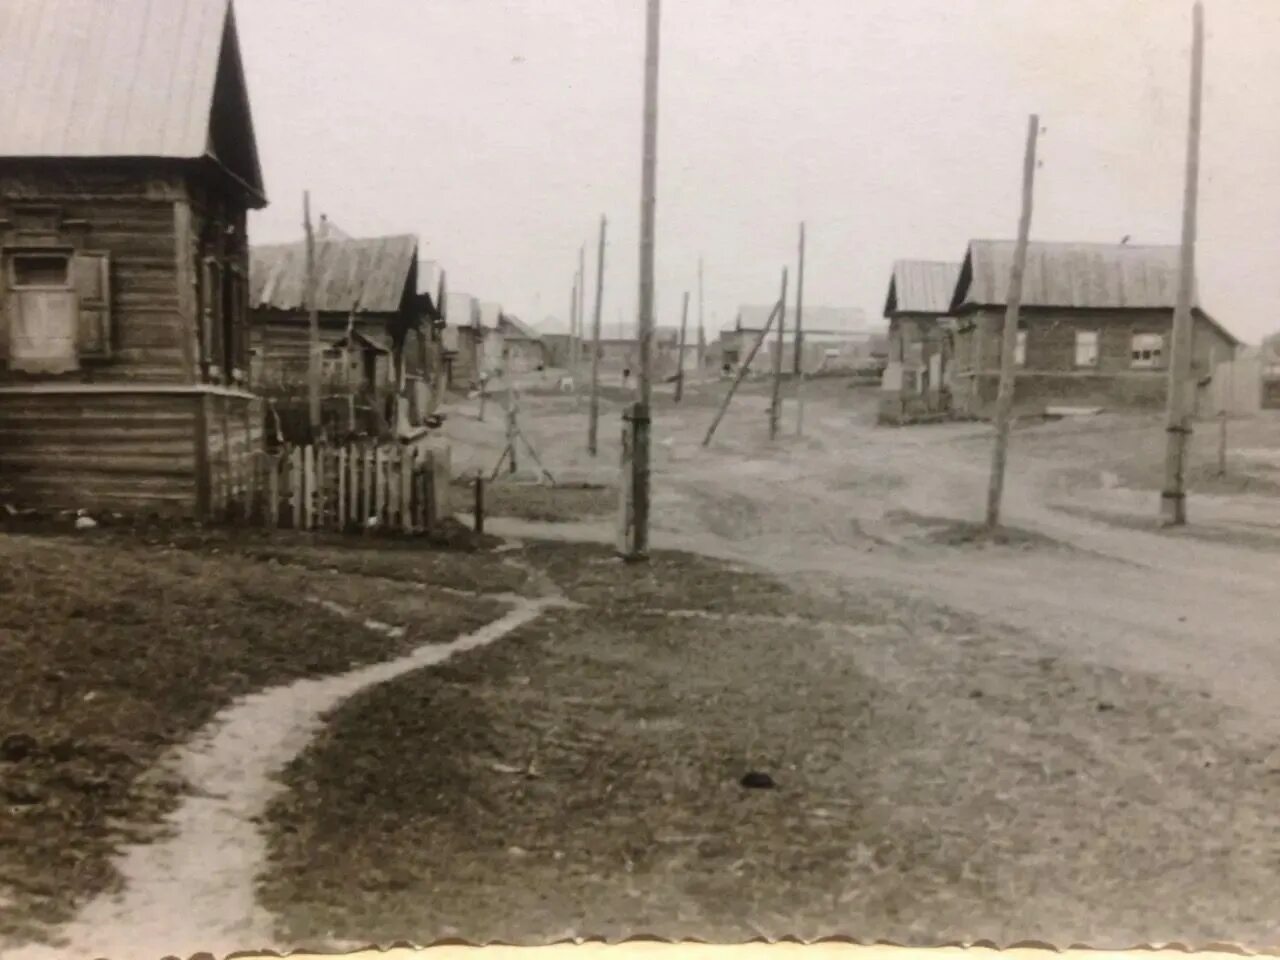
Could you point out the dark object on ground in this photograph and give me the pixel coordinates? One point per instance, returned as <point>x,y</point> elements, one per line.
<point>17,746</point>
<point>435,421</point>
<point>756,780</point>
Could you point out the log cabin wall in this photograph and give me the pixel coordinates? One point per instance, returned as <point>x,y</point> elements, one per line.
<point>122,412</point>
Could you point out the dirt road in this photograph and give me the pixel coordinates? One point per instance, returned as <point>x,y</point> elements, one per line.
<point>854,506</point>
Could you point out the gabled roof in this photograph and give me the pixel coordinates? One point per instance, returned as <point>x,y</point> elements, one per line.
<point>359,341</point>
<point>1084,276</point>
<point>459,308</point>
<point>518,329</point>
<point>921,286</point>
<point>361,276</point>
<point>100,79</point>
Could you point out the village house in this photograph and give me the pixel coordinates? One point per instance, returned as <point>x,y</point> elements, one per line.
<point>368,286</point>
<point>123,257</point>
<point>833,339</point>
<point>1270,364</point>
<point>522,347</point>
<point>1094,327</point>
<point>475,335</point>
<point>916,384</point>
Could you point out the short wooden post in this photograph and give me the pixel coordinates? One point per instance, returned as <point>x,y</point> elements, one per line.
<point>479,508</point>
<point>322,484</point>
<point>366,487</point>
<point>309,485</point>
<point>626,504</point>
<point>379,483</point>
<point>353,484</point>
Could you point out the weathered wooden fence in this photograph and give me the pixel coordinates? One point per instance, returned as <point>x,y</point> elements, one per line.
<point>350,487</point>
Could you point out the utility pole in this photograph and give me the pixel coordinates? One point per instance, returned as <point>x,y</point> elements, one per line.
<point>313,365</point>
<point>582,299</point>
<point>574,333</point>
<point>702,335</point>
<point>799,347</point>
<point>1009,346</point>
<point>684,320</point>
<point>775,406</point>
<point>636,525</point>
<point>593,425</point>
<point>1173,498</point>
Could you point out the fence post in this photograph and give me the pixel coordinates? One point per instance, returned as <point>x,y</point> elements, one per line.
<point>342,488</point>
<point>272,514</point>
<point>353,483</point>
<point>406,489</point>
<point>295,485</point>
<point>322,486</point>
<point>479,514</point>
<point>379,483</point>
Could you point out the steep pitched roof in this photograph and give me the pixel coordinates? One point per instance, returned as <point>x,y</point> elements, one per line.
<point>518,329</point>
<point>360,276</point>
<point>921,286</point>
<point>126,78</point>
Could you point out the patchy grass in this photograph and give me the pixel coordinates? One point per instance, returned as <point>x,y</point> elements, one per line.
<point>948,532</point>
<point>113,650</point>
<point>935,781</point>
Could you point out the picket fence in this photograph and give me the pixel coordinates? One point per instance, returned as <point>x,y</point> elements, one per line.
<point>348,487</point>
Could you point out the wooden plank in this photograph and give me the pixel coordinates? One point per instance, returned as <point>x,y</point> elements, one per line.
<point>322,484</point>
<point>295,477</point>
<point>273,463</point>
<point>380,484</point>
<point>406,490</point>
<point>201,439</point>
<point>342,488</point>
<point>309,486</point>
<point>366,488</point>
<point>185,279</point>
<point>353,484</point>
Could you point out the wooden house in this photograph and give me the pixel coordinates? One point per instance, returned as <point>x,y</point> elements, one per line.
<point>522,347</point>
<point>127,167</point>
<point>1094,327</point>
<point>1269,357</point>
<point>916,383</point>
<point>369,285</point>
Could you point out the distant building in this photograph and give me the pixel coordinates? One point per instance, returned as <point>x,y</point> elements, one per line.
<point>1094,328</point>
<point>1270,357</point>
<point>832,339</point>
<point>522,347</point>
<point>916,382</point>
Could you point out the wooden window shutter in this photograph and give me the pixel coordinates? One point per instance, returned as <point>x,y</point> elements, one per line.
<point>91,276</point>
<point>212,313</point>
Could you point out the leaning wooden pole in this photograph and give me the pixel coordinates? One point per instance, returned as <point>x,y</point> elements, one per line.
<point>636,542</point>
<point>684,323</point>
<point>1173,497</point>
<point>582,301</point>
<point>1009,346</point>
<point>313,363</point>
<point>746,364</point>
<point>593,424</point>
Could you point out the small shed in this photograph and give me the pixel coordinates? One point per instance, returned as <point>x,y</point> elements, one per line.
<point>916,384</point>
<point>127,166</point>
<point>1094,327</point>
<point>522,347</point>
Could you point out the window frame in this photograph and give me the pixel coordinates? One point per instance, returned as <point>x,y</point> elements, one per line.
<point>1020,349</point>
<point>1153,362</point>
<point>1097,350</point>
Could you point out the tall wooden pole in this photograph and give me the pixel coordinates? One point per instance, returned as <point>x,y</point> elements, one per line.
<point>593,425</point>
<point>746,364</point>
<point>575,334</point>
<point>1009,347</point>
<point>639,542</point>
<point>684,321</point>
<point>1173,498</point>
<point>313,365</point>
<point>775,406</point>
<point>582,299</point>
<point>702,334</point>
<point>799,342</point>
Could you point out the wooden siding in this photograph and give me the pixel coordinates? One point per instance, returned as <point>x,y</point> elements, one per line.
<point>1050,375</point>
<point>125,452</point>
<point>133,222</point>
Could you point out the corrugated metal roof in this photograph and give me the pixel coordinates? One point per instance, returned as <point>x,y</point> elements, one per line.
<point>108,78</point>
<point>814,318</point>
<point>921,286</point>
<point>1078,275</point>
<point>361,276</point>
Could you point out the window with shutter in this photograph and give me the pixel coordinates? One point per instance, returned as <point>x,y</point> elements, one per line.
<point>210,312</point>
<point>40,312</point>
<point>92,278</point>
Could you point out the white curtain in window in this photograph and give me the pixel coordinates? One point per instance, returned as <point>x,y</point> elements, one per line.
<point>43,332</point>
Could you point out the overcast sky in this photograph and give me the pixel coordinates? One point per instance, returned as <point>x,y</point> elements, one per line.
<point>499,131</point>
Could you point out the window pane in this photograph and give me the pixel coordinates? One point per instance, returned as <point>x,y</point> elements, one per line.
<point>40,271</point>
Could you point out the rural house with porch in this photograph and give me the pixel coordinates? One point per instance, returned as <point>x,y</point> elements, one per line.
<point>916,384</point>
<point>1094,328</point>
<point>366,286</point>
<point>127,166</point>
